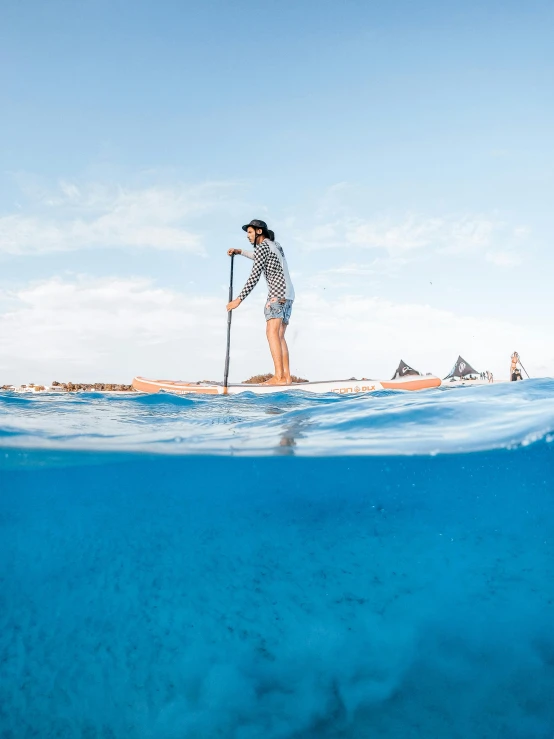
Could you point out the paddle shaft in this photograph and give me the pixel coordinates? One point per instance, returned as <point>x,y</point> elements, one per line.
<point>229,318</point>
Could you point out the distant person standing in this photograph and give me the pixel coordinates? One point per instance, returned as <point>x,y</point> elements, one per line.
<point>269,259</point>
<point>515,372</point>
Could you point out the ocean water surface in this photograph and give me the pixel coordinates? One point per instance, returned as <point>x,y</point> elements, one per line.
<point>278,567</point>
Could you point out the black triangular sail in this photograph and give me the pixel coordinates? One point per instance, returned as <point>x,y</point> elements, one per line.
<point>461,369</point>
<point>403,370</point>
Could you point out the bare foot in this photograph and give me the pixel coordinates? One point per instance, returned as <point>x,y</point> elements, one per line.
<point>276,381</point>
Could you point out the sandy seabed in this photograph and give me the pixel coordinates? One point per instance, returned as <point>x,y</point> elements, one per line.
<point>279,598</point>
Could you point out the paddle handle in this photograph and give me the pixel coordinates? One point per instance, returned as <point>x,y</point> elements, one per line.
<point>229,318</point>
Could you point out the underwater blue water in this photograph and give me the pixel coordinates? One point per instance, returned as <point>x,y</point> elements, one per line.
<point>284,567</point>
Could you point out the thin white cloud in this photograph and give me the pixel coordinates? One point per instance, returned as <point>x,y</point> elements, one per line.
<point>77,217</point>
<point>86,329</point>
<point>379,266</point>
<point>504,258</point>
<point>342,219</point>
<point>353,268</point>
<point>404,236</point>
<point>397,238</point>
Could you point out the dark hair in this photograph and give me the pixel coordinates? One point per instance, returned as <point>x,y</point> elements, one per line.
<point>270,235</point>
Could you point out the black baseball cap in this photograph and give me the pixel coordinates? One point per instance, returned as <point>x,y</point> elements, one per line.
<point>256,223</point>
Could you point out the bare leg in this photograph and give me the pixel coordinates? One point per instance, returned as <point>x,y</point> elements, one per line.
<point>285,352</point>
<point>273,333</point>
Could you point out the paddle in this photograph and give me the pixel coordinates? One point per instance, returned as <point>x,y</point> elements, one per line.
<point>523,368</point>
<point>229,317</point>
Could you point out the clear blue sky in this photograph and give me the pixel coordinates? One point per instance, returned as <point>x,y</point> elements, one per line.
<point>403,152</point>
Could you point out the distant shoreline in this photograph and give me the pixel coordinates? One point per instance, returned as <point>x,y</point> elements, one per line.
<point>71,387</point>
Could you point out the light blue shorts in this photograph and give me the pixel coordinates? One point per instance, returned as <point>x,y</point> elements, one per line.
<point>275,308</point>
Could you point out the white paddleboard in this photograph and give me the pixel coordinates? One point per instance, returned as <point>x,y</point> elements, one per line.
<point>341,387</point>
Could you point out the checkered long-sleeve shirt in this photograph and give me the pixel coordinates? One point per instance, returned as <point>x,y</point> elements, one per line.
<point>269,259</point>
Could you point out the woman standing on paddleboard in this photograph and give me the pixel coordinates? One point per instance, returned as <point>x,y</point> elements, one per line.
<point>269,258</point>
